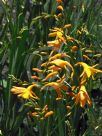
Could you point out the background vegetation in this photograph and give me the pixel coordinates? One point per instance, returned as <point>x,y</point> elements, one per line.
<point>24,26</point>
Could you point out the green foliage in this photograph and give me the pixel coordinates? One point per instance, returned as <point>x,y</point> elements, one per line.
<point>24,29</point>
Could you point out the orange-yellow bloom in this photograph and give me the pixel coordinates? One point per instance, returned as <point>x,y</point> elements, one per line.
<point>67,26</point>
<point>70,39</point>
<point>36,70</point>
<point>68,107</point>
<point>44,64</point>
<point>74,48</point>
<point>60,8</point>
<point>61,80</point>
<point>50,75</point>
<point>35,77</point>
<point>58,56</point>
<point>25,93</point>
<point>55,29</point>
<point>56,44</point>
<point>34,114</point>
<point>64,87</point>
<point>88,71</point>
<point>45,109</point>
<point>59,1</point>
<point>58,33</point>
<point>54,68</point>
<point>61,63</point>
<point>82,97</point>
<point>71,93</point>
<point>86,57</point>
<point>48,114</point>
<point>59,15</point>
<point>58,86</point>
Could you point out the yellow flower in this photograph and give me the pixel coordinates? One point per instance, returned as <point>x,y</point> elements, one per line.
<point>50,75</point>
<point>68,107</point>
<point>45,109</point>
<point>62,64</point>
<point>58,56</point>
<point>88,71</point>
<point>58,34</point>
<point>34,114</point>
<point>56,44</point>
<point>82,97</point>
<point>58,86</point>
<point>74,48</point>
<point>59,1</point>
<point>54,68</point>
<point>86,57</point>
<point>61,80</point>
<point>70,93</point>
<point>60,8</point>
<point>70,39</point>
<point>55,29</point>
<point>59,15</point>
<point>67,26</point>
<point>44,64</point>
<point>48,114</point>
<point>35,77</point>
<point>36,70</point>
<point>25,93</point>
